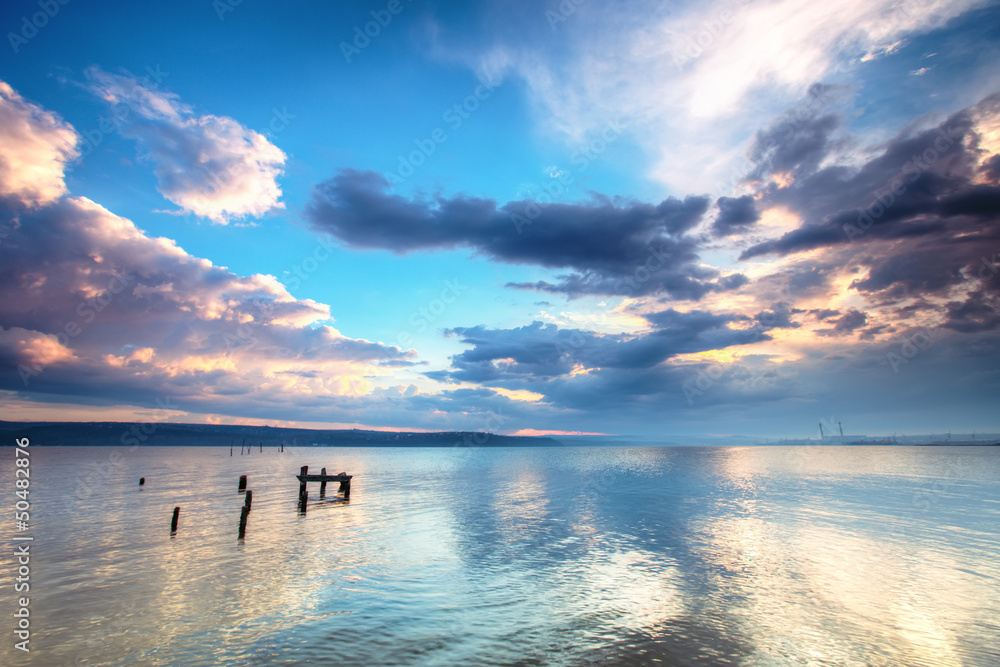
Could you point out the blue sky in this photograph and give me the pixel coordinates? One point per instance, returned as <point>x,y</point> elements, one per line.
<point>624,218</point>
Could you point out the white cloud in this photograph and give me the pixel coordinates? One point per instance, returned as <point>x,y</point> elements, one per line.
<point>693,82</point>
<point>35,145</point>
<point>211,166</point>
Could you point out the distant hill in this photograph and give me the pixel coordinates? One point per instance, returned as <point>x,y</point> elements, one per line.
<point>211,435</point>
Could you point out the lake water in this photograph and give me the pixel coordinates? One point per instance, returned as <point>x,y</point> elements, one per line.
<point>550,556</point>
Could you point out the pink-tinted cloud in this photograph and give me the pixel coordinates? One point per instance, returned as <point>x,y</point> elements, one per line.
<point>211,166</point>
<point>35,145</point>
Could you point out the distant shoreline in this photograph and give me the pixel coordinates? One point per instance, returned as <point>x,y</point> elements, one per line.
<point>87,434</point>
<point>91,434</point>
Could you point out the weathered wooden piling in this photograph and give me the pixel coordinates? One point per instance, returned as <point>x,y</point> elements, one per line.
<point>303,501</point>
<point>261,448</point>
<point>173,521</point>
<point>248,500</point>
<point>303,471</point>
<point>345,485</point>
<point>322,485</point>
<point>244,513</point>
<point>243,483</point>
<point>142,480</point>
<point>230,447</point>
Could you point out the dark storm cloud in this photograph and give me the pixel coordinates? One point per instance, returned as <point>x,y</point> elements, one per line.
<point>977,313</point>
<point>541,352</point>
<point>920,185</point>
<point>735,214</point>
<point>921,215</point>
<point>793,144</point>
<point>846,324</point>
<point>609,247</point>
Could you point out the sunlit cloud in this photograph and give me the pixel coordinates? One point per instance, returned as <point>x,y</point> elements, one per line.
<point>211,166</point>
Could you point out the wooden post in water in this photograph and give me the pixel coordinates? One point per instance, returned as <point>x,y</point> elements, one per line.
<point>243,483</point>
<point>248,500</point>
<point>142,481</point>
<point>230,447</point>
<point>303,499</point>
<point>173,521</point>
<point>262,447</point>
<point>243,521</point>
<point>322,485</point>
<point>302,483</point>
<point>345,486</point>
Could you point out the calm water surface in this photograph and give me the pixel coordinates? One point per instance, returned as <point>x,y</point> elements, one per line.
<point>554,556</point>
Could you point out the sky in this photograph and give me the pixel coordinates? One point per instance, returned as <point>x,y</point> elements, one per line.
<point>577,217</point>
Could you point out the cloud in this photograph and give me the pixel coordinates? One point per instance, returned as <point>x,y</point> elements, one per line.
<point>126,315</point>
<point>95,310</point>
<point>524,356</point>
<point>689,79</point>
<point>611,246</point>
<point>735,214</point>
<point>917,216</point>
<point>846,323</point>
<point>35,146</point>
<point>211,166</point>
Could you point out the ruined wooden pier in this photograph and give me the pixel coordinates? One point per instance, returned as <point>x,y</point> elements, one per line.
<point>304,477</point>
